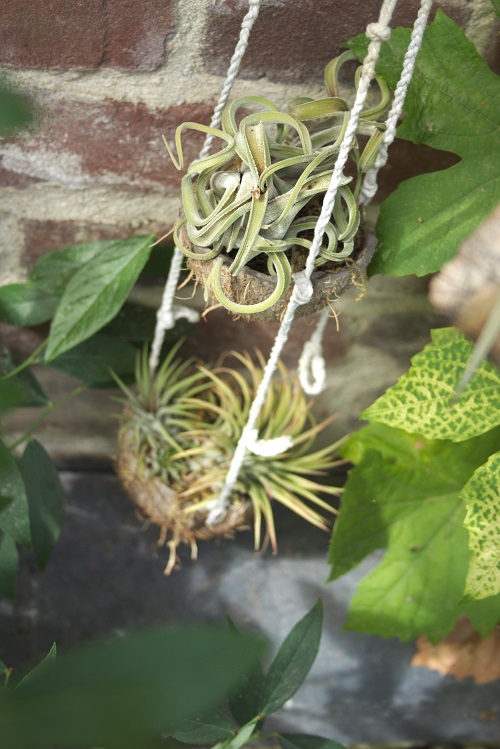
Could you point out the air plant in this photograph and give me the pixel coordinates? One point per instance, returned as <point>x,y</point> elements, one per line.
<point>255,203</point>
<point>179,432</point>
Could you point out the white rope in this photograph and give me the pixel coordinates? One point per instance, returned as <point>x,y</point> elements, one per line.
<point>312,368</point>
<point>303,289</point>
<point>168,313</point>
<point>369,187</point>
<point>312,374</point>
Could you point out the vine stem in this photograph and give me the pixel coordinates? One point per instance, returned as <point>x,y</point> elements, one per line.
<point>51,407</point>
<point>32,359</point>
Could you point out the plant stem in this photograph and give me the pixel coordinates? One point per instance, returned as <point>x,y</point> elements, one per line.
<point>32,359</point>
<point>27,435</point>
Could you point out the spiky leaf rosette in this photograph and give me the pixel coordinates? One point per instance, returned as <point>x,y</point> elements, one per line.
<point>179,433</point>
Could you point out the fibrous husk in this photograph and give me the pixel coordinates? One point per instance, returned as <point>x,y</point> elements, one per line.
<point>252,286</point>
<point>165,506</point>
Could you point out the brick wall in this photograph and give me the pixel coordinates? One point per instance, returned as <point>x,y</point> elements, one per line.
<point>109,77</point>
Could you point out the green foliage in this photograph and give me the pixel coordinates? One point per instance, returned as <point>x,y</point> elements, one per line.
<point>260,695</point>
<point>94,332</point>
<point>96,292</point>
<point>45,500</point>
<point>124,694</point>
<point>14,110</point>
<point>453,104</point>
<point>423,399</point>
<point>482,498</point>
<point>404,495</point>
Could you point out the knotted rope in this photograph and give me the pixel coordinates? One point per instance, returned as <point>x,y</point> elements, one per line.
<point>303,289</point>
<point>312,373</point>
<point>167,314</point>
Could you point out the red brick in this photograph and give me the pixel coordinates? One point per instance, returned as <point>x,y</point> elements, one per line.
<point>293,41</point>
<point>115,143</point>
<point>42,237</point>
<point>85,34</point>
<point>8,178</point>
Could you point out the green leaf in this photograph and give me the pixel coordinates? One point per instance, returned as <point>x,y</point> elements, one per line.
<point>484,614</point>
<point>481,495</point>
<point>209,729</point>
<point>306,741</point>
<point>242,736</point>
<point>134,322</point>
<point>14,518</point>
<point>496,5</point>
<point>453,104</point>
<point>45,499</point>
<point>405,497</point>
<point>292,661</point>
<point>40,668</point>
<point>11,395</point>
<point>245,702</point>
<point>93,360</point>
<point>25,304</point>
<point>29,389</point>
<point>422,399</point>
<point>4,673</point>
<point>53,271</point>
<point>8,568</point>
<point>123,694</point>
<point>96,292</point>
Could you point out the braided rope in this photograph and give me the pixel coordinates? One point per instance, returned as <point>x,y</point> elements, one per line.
<point>167,314</point>
<point>370,186</point>
<point>303,289</point>
<point>311,359</point>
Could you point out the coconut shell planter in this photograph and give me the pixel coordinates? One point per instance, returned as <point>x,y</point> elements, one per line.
<point>249,210</point>
<point>179,431</point>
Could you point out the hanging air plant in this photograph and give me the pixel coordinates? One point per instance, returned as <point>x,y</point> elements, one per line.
<point>177,438</point>
<point>249,210</point>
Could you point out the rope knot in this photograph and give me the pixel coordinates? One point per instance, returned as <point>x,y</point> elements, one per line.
<point>268,448</point>
<point>303,288</point>
<point>378,32</point>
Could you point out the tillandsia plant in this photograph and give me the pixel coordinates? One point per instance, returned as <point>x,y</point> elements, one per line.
<point>254,204</point>
<point>178,435</point>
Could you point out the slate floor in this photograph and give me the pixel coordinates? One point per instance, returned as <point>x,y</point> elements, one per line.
<point>105,577</point>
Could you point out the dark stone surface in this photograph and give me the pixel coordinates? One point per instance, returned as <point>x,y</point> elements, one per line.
<point>105,578</point>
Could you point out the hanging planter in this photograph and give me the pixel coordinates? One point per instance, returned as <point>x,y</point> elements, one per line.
<point>249,211</point>
<point>177,438</point>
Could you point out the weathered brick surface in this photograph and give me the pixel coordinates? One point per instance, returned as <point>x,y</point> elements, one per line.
<point>81,143</point>
<point>293,41</point>
<point>85,34</point>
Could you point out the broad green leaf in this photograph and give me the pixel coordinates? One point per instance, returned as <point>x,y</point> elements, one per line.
<point>45,499</point>
<point>453,104</point>
<point>423,399</point>
<point>96,292</point>
<point>8,568</point>
<point>209,729</point>
<point>134,322</point>
<point>11,395</point>
<point>482,499</point>
<point>484,613</point>
<point>14,517</point>
<point>292,661</point>
<point>39,668</point>
<point>245,702</point>
<point>53,271</point>
<point>25,304</point>
<point>406,498</point>
<point>496,5</point>
<point>30,390</point>
<point>93,360</point>
<point>123,694</point>
<point>306,741</point>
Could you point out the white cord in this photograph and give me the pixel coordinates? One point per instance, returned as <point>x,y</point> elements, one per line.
<point>369,187</point>
<point>312,373</point>
<point>168,314</point>
<point>303,289</point>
